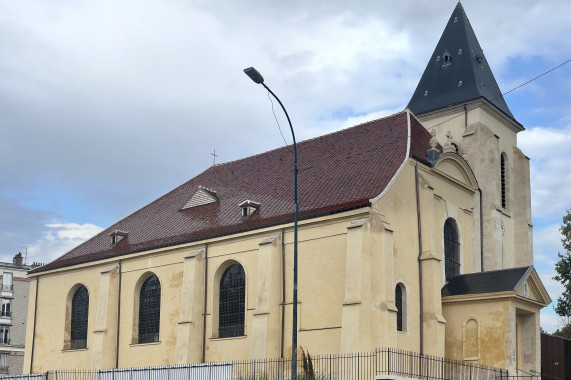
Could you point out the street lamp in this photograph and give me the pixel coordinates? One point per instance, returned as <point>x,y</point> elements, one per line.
<point>257,78</point>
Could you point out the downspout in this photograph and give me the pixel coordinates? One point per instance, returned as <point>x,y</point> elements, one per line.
<point>283,296</point>
<point>204,308</point>
<point>481,233</point>
<point>118,317</point>
<point>421,321</point>
<point>34,330</point>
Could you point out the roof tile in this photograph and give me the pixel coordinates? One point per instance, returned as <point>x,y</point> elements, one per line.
<point>338,171</point>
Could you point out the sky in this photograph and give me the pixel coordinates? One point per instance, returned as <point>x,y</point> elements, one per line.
<point>106,105</point>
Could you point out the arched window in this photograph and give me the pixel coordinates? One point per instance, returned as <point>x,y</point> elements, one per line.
<point>400,303</point>
<point>149,310</point>
<point>79,318</point>
<point>503,178</point>
<point>451,249</point>
<point>232,302</point>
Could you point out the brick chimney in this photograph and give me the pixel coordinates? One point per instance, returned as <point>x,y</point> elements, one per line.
<point>18,259</point>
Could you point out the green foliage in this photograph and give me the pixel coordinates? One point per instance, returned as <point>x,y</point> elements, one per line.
<point>563,269</point>
<point>564,332</point>
<point>308,373</point>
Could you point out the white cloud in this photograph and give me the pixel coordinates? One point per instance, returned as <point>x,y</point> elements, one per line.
<point>101,96</point>
<point>550,322</point>
<point>550,168</point>
<point>59,239</point>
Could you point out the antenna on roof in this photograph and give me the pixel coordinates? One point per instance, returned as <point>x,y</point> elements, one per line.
<point>26,254</point>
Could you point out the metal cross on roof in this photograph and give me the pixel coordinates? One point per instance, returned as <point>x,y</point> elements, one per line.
<point>214,155</point>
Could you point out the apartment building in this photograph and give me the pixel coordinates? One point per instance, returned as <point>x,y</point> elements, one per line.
<point>13,314</point>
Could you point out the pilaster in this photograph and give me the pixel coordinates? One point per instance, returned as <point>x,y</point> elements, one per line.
<point>431,261</point>
<point>104,345</point>
<point>481,149</point>
<point>369,312</point>
<point>521,205</point>
<point>190,325</point>
<point>266,319</point>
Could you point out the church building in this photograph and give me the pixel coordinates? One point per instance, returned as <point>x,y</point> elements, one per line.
<point>415,233</point>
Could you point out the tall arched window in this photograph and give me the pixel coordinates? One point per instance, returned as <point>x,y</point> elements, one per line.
<point>149,310</point>
<point>400,303</point>
<point>503,178</point>
<point>451,249</point>
<point>232,302</point>
<point>79,318</point>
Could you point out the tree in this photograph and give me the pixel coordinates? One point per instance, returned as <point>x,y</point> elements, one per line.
<point>563,269</point>
<point>564,332</point>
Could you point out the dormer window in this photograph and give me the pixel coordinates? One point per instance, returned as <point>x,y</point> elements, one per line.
<point>248,207</point>
<point>447,58</point>
<point>117,236</point>
<point>202,196</point>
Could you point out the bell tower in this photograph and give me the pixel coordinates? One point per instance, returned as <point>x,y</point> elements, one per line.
<point>459,99</point>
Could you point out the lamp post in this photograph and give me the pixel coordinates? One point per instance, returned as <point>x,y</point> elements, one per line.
<point>257,78</point>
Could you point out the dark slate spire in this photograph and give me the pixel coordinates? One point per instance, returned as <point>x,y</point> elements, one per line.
<point>457,72</point>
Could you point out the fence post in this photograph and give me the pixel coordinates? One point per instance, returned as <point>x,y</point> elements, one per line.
<point>470,371</point>
<point>389,361</point>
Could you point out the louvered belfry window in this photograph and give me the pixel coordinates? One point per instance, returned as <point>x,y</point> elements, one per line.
<point>232,302</point>
<point>150,310</point>
<point>398,304</point>
<point>79,318</point>
<point>503,179</point>
<point>451,249</point>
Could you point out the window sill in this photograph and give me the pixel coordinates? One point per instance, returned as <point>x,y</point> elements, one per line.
<point>144,344</point>
<point>504,211</point>
<point>74,349</point>
<point>230,338</point>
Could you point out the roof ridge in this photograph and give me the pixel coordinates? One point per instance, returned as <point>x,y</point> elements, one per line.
<point>305,141</point>
<point>494,270</point>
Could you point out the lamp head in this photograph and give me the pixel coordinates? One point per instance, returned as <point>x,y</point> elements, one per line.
<point>254,75</point>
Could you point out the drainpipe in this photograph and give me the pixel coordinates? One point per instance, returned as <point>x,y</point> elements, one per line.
<point>118,316</point>
<point>204,308</point>
<point>465,117</point>
<point>34,330</point>
<point>481,233</point>
<point>283,295</point>
<point>421,321</point>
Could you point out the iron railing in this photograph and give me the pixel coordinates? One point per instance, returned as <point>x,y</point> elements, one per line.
<point>381,363</point>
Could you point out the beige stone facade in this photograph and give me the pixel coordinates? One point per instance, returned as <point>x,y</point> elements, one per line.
<point>349,266</point>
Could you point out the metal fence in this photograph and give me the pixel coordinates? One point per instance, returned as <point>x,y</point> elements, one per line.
<point>381,363</point>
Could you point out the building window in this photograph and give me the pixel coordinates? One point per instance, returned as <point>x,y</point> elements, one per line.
<point>451,249</point>
<point>7,281</point>
<point>400,303</point>
<point>232,302</point>
<point>4,334</point>
<point>79,318</point>
<point>4,363</point>
<point>6,307</point>
<point>149,310</point>
<point>503,178</point>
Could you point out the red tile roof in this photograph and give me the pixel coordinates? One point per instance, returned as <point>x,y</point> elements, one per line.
<point>337,172</point>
